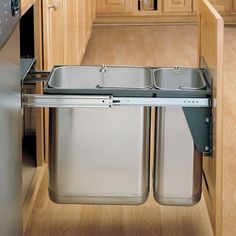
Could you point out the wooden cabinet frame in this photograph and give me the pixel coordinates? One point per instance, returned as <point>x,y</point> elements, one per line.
<point>115,6</point>
<point>168,12</point>
<point>39,112</point>
<point>210,47</point>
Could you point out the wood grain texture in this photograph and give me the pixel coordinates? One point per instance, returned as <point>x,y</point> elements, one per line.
<point>114,6</point>
<point>229,134</point>
<point>211,49</point>
<point>234,6</point>
<point>66,32</point>
<point>32,194</point>
<point>26,4</point>
<point>137,45</point>
<point>222,5</point>
<point>175,6</point>
<point>53,34</point>
<point>38,51</point>
<point>168,12</point>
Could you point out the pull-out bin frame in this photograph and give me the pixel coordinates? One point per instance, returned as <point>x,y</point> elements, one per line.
<point>196,106</point>
<point>197,110</point>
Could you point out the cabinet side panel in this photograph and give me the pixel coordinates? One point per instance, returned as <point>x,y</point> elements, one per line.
<point>211,31</point>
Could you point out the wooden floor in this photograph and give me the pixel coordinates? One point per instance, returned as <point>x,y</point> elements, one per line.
<point>159,46</point>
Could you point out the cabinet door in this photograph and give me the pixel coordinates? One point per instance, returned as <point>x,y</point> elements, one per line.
<point>64,22</point>
<point>211,33</point>
<point>53,26</point>
<point>93,10</point>
<point>73,31</point>
<point>87,21</point>
<point>195,5</point>
<point>221,5</point>
<point>114,6</point>
<point>170,6</point>
<point>234,5</point>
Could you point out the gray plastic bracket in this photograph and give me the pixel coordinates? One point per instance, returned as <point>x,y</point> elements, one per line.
<point>200,124</point>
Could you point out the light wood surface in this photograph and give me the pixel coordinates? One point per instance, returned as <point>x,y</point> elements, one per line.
<point>66,32</point>
<point>74,32</point>
<point>26,4</point>
<point>150,45</point>
<point>53,34</point>
<point>177,6</point>
<point>142,17</point>
<point>114,6</point>
<point>222,5</point>
<point>229,134</point>
<point>32,194</point>
<point>234,5</point>
<point>211,49</point>
<point>168,11</point>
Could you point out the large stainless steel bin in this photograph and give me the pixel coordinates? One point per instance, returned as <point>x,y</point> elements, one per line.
<point>99,155</point>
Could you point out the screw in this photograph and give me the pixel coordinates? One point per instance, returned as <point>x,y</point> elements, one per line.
<point>207,120</point>
<point>207,148</point>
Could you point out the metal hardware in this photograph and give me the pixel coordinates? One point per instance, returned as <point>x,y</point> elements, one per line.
<point>200,125</point>
<point>36,76</point>
<point>162,102</point>
<point>53,6</point>
<point>176,68</point>
<point>36,100</point>
<point>197,110</point>
<point>15,7</point>
<point>103,68</point>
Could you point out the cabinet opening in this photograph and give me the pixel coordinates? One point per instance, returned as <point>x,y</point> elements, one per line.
<point>147,5</point>
<point>29,160</point>
<point>27,34</point>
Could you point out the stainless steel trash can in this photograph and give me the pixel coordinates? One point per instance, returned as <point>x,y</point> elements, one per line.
<point>99,155</point>
<point>178,166</point>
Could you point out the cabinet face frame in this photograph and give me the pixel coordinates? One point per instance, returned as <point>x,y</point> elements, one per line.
<point>175,6</point>
<point>222,5</point>
<point>210,47</point>
<point>234,6</point>
<point>115,6</point>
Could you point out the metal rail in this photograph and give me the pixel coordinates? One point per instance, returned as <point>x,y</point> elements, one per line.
<point>36,100</point>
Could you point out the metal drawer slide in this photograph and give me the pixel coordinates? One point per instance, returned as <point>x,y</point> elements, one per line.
<point>36,100</point>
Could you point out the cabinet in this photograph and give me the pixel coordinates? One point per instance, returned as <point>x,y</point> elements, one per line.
<point>87,21</point>
<point>210,38</point>
<point>172,6</point>
<point>164,11</point>
<point>114,6</point>
<point>234,6</point>
<point>67,28</point>
<point>53,33</point>
<point>221,5</point>
<point>73,35</point>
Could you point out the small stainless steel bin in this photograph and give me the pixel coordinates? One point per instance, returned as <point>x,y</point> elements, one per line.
<point>99,155</point>
<point>178,166</point>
